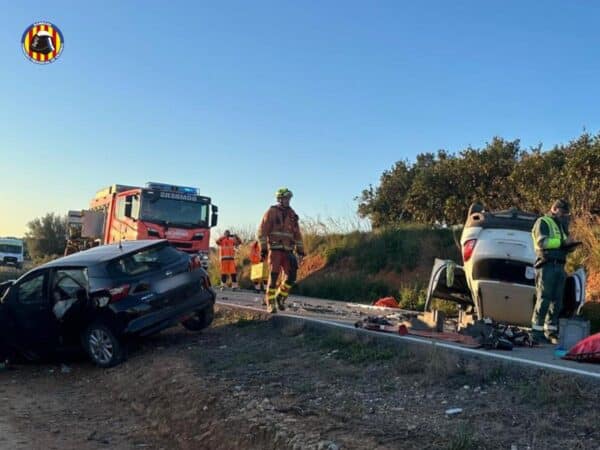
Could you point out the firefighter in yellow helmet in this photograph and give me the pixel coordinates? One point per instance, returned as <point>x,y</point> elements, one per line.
<point>279,237</point>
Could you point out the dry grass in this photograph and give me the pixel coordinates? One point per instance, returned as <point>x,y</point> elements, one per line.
<point>587,230</point>
<point>341,225</point>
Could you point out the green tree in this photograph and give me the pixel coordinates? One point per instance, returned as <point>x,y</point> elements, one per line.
<point>581,183</point>
<point>46,235</point>
<point>385,205</point>
<point>438,188</point>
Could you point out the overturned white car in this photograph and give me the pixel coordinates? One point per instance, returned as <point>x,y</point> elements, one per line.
<point>497,279</point>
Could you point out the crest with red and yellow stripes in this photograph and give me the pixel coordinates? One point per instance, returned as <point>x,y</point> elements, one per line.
<point>42,42</point>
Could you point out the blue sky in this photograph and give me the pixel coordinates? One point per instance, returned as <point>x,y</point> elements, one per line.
<point>240,98</point>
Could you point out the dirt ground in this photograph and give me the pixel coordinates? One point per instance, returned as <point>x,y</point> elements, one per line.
<point>246,384</point>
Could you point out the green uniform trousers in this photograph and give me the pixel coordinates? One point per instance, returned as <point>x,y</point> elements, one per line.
<point>550,282</point>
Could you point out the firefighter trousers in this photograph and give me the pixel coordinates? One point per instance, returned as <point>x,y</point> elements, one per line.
<point>281,262</point>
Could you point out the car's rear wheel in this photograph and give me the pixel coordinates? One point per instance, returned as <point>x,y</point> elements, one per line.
<point>200,320</point>
<point>102,345</point>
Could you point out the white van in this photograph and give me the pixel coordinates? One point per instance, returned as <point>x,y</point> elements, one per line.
<point>11,252</point>
<point>497,278</point>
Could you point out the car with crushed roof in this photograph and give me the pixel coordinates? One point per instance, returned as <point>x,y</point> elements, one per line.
<point>99,298</point>
<point>497,279</point>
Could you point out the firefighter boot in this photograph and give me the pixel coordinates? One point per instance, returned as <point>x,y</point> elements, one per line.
<point>282,295</point>
<point>271,300</point>
<point>280,302</point>
<point>272,307</point>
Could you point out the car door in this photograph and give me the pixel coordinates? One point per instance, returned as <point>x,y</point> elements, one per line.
<point>574,296</point>
<point>448,282</point>
<point>69,289</point>
<point>36,325</point>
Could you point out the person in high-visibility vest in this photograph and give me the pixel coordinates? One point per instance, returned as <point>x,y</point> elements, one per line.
<point>279,236</point>
<point>257,270</point>
<point>552,243</point>
<point>227,244</point>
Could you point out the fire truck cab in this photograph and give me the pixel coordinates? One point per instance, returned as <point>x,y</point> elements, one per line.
<point>157,211</point>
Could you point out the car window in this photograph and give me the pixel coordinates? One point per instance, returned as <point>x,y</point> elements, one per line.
<point>144,261</point>
<point>32,290</point>
<point>67,282</point>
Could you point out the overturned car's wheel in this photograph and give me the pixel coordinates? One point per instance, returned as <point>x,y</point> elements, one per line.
<point>102,346</point>
<point>200,320</point>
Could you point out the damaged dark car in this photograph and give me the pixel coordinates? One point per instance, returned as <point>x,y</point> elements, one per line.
<point>98,298</point>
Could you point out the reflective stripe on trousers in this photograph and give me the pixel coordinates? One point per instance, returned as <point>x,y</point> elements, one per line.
<point>284,290</point>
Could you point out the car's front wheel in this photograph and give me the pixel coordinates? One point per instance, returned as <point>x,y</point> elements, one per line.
<point>102,345</point>
<point>200,320</point>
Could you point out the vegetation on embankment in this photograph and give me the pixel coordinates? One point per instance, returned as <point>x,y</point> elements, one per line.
<point>587,230</point>
<point>364,266</point>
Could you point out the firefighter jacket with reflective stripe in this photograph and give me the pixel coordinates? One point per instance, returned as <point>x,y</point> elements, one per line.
<point>548,236</point>
<point>280,230</point>
<point>227,246</point>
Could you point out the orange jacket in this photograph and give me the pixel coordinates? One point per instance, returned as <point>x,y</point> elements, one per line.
<point>227,246</point>
<point>280,230</point>
<point>255,253</point>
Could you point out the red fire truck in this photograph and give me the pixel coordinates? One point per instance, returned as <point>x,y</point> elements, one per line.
<point>156,211</point>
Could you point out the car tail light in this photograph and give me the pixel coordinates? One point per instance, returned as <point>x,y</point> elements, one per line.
<point>468,249</point>
<point>194,263</point>
<point>118,293</point>
<point>205,282</point>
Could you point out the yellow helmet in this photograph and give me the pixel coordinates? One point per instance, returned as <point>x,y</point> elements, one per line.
<point>283,192</point>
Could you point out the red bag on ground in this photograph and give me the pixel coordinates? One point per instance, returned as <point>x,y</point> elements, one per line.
<point>586,350</point>
<point>388,302</point>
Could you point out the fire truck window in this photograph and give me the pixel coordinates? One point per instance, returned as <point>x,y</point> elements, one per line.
<point>127,212</point>
<point>135,207</point>
<point>120,208</point>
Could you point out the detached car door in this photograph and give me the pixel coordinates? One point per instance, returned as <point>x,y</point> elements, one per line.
<point>574,296</point>
<point>448,282</point>
<point>36,327</point>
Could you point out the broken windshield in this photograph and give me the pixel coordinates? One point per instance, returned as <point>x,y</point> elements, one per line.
<point>174,209</point>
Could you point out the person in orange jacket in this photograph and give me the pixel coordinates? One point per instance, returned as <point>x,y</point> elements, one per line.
<point>227,244</point>
<point>279,236</point>
<point>255,259</point>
